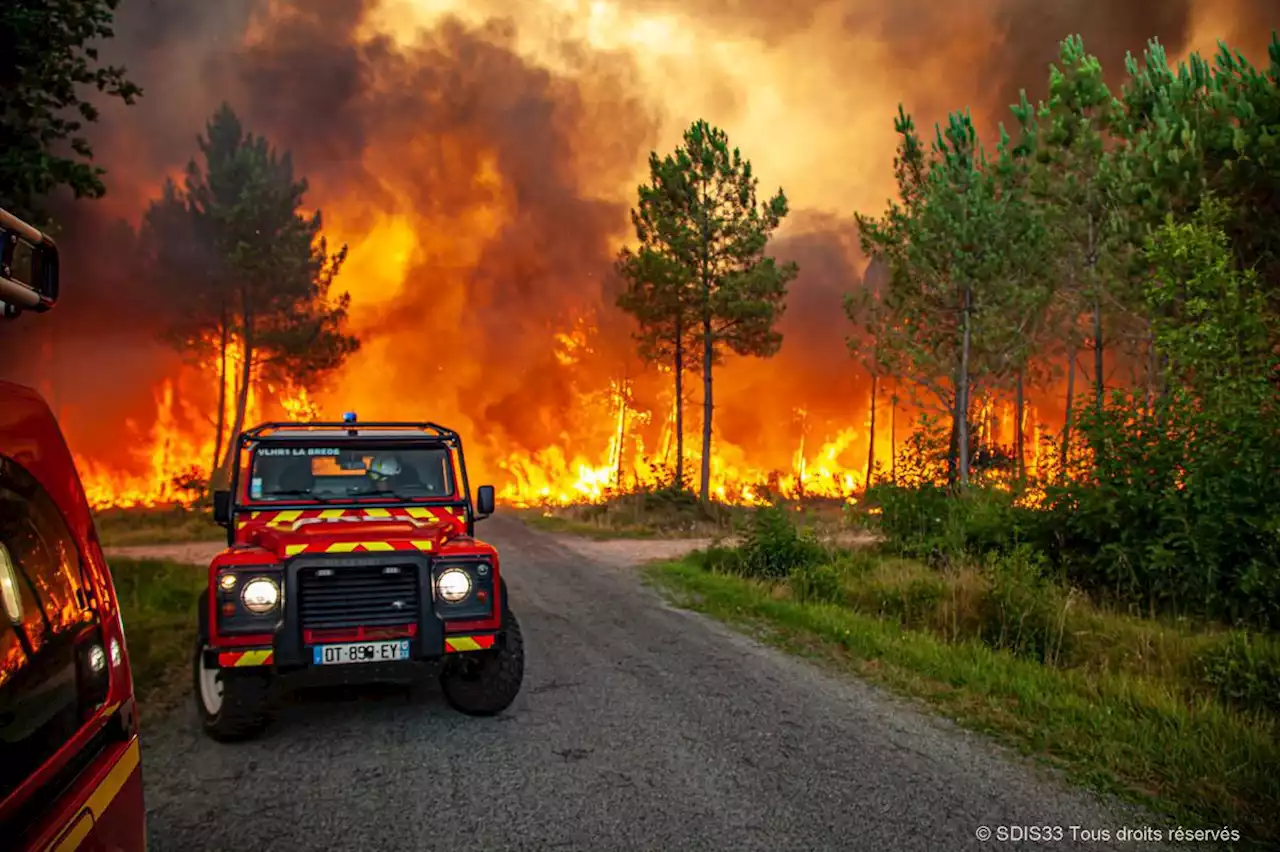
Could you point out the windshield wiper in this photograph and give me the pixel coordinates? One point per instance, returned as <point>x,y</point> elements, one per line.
<point>305,494</point>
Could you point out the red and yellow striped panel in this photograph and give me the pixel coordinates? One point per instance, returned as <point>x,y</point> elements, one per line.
<point>100,800</point>
<point>237,659</point>
<point>294,518</point>
<point>359,547</point>
<point>458,644</point>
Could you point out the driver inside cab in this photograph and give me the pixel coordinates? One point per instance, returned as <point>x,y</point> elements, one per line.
<point>387,473</point>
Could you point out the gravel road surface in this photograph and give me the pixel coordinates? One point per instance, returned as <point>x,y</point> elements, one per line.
<point>640,727</point>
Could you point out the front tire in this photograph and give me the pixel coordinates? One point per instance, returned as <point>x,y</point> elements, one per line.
<point>232,705</point>
<point>485,683</point>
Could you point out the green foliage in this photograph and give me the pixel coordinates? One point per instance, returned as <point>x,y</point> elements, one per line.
<point>47,59</point>
<point>773,548</point>
<point>1026,612</point>
<point>929,522</point>
<point>249,267</point>
<point>1141,228</point>
<point>1180,511</point>
<point>818,582</point>
<point>158,607</point>
<point>957,307</point>
<point>701,284</point>
<point>1244,670</point>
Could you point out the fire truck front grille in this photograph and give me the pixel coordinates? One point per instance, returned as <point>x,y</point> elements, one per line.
<point>360,596</point>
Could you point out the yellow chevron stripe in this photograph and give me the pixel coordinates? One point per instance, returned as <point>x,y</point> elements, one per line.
<point>254,515</point>
<point>464,643</point>
<point>253,658</point>
<point>423,545</point>
<point>330,514</point>
<point>342,547</point>
<point>100,799</point>
<point>289,516</point>
<point>379,546</point>
<point>418,512</point>
<point>75,836</point>
<point>294,549</point>
<point>377,513</point>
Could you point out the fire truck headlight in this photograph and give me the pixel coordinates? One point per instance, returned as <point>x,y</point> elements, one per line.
<point>454,584</point>
<point>260,595</point>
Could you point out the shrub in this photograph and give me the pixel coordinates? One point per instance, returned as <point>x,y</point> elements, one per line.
<point>1025,612</point>
<point>773,548</point>
<point>1244,670</point>
<point>718,559</point>
<point>927,520</point>
<point>818,583</point>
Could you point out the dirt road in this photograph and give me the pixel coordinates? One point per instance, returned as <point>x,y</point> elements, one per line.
<point>640,727</point>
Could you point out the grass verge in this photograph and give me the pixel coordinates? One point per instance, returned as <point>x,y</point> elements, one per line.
<point>158,606</point>
<point>128,527</point>
<point>1140,736</point>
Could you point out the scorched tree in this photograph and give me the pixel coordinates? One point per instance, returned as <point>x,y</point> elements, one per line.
<point>255,272</point>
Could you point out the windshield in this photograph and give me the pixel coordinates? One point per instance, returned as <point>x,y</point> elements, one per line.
<point>336,472</point>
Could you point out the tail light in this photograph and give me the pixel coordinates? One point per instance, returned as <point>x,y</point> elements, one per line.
<point>93,670</point>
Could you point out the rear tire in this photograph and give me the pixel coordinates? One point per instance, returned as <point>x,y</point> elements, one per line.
<point>484,683</point>
<point>232,705</point>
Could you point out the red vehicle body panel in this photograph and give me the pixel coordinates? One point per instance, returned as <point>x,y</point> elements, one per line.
<point>102,809</point>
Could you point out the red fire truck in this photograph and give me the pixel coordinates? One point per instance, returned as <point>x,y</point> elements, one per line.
<point>70,774</point>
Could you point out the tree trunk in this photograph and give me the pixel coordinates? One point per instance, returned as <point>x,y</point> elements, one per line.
<point>871,432</point>
<point>1071,392</point>
<point>622,432</point>
<point>1099,389</point>
<point>893,438</point>
<point>1092,260</point>
<point>220,423</point>
<point>707,407</point>
<point>962,391</point>
<point>242,394</point>
<point>1153,369</point>
<point>708,350</point>
<point>679,367</point>
<point>1019,414</point>
<point>953,443</point>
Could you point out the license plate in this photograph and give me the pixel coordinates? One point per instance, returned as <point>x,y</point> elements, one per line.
<point>361,652</point>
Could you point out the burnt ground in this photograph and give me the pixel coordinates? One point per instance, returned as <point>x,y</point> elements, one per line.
<point>640,727</point>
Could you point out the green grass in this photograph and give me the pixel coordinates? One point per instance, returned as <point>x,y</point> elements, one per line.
<point>129,527</point>
<point>158,606</point>
<point>1128,724</point>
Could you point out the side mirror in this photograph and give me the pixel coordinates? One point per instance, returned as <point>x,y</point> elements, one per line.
<point>484,501</point>
<point>28,268</point>
<point>222,508</point>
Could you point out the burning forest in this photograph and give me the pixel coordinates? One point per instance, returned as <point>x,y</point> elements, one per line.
<point>478,163</point>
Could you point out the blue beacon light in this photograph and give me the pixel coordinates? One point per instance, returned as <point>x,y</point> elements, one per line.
<point>349,417</point>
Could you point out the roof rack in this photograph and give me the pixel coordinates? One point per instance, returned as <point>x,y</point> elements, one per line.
<point>286,429</point>
<point>40,292</point>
